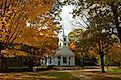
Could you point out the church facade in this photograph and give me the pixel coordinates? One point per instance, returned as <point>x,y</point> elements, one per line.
<point>63,57</point>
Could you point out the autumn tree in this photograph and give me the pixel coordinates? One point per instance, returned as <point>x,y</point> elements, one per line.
<point>116,49</point>
<point>100,44</point>
<point>94,43</point>
<point>105,12</point>
<point>79,39</point>
<point>102,17</point>
<point>15,14</point>
<point>39,40</point>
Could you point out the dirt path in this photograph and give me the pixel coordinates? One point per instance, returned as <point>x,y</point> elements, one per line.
<point>93,74</point>
<point>83,74</point>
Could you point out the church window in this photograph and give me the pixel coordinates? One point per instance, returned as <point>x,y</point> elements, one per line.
<point>45,61</point>
<point>50,60</point>
<point>64,59</point>
<point>64,44</point>
<point>60,44</point>
<point>69,58</point>
<point>42,60</point>
<point>64,39</point>
<point>59,57</point>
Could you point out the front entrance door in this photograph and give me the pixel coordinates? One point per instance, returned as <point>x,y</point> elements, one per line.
<point>58,62</point>
<point>69,63</point>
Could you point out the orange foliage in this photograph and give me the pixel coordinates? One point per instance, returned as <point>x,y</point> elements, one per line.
<point>115,54</point>
<point>13,53</point>
<point>14,15</point>
<point>72,46</point>
<point>44,38</point>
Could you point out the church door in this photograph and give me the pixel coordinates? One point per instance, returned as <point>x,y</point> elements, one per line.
<point>69,62</point>
<point>58,62</point>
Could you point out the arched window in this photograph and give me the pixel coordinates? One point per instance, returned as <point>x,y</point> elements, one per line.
<point>59,57</point>
<point>69,57</point>
<point>64,39</point>
<point>64,44</point>
<point>64,59</point>
<point>50,60</point>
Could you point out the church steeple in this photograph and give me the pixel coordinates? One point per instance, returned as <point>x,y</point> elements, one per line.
<point>64,38</point>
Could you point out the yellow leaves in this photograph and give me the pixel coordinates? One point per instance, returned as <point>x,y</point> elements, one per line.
<point>92,52</point>
<point>49,29</point>
<point>30,36</point>
<point>115,53</point>
<point>10,23</point>
<point>13,53</point>
<point>13,21</point>
<point>116,47</point>
<point>72,46</point>
<point>37,8</point>
<point>43,38</point>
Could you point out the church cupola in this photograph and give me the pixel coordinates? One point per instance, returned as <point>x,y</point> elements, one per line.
<point>64,40</point>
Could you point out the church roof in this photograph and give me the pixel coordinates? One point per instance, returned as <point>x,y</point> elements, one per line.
<point>64,51</point>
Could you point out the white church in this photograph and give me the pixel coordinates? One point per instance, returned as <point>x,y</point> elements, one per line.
<point>63,57</point>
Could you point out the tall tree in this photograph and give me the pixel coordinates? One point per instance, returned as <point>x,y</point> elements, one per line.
<point>102,17</point>
<point>105,12</point>
<point>94,43</point>
<point>15,14</point>
<point>100,43</point>
<point>39,41</point>
<point>116,49</point>
<point>78,37</point>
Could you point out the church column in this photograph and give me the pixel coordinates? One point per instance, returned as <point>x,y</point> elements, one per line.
<point>61,60</point>
<point>52,61</point>
<point>67,57</point>
<point>73,60</point>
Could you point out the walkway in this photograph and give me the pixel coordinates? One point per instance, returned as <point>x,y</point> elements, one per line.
<point>94,74</point>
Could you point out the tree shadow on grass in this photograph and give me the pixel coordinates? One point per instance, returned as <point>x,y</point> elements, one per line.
<point>97,75</point>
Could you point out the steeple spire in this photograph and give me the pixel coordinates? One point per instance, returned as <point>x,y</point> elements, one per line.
<point>63,29</point>
<point>63,38</point>
<point>63,35</point>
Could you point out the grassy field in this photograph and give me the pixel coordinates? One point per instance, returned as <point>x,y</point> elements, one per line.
<point>61,75</point>
<point>114,70</point>
<point>96,74</point>
<point>49,75</point>
<point>82,74</point>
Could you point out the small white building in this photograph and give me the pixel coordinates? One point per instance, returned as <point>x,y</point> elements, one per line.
<point>63,57</point>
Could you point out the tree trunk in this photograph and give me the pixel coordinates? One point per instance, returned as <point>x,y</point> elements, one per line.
<point>115,11</point>
<point>2,61</point>
<point>4,67</point>
<point>119,33</point>
<point>39,63</point>
<point>102,62</point>
<point>30,64</point>
<point>82,62</point>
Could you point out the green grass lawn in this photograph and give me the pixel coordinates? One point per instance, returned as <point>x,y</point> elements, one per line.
<point>48,75</point>
<point>114,70</point>
<point>61,75</point>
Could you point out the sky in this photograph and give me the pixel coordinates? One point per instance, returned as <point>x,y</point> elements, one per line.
<point>67,19</point>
